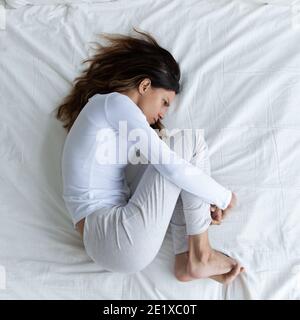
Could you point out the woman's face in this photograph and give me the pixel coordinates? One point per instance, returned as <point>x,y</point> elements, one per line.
<point>153,102</point>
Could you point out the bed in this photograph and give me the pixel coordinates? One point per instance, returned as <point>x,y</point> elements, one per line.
<point>240,63</point>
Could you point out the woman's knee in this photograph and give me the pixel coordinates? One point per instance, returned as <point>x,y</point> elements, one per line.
<point>199,141</point>
<point>201,153</point>
<point>134,257</point>
<point>182,141</point>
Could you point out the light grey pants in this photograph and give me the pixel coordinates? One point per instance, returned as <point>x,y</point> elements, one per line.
<point>126,239</point>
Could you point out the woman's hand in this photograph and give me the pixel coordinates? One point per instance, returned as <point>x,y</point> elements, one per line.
<point>218,214</point>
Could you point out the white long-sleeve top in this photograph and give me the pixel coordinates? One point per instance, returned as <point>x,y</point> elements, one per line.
<point>90,183</point>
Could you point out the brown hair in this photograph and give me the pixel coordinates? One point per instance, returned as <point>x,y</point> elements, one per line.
<point>119,67</point>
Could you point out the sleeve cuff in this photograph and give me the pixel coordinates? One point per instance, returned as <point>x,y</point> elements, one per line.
<point>227,200</point>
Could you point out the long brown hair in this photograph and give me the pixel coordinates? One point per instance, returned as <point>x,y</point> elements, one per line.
<point>119,67</point>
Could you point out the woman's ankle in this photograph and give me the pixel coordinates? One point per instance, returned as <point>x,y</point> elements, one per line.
<point>199,247</point>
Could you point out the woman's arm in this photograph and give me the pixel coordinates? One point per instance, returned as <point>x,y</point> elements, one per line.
<point>181,172</point>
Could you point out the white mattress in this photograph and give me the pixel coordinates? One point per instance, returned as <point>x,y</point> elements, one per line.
<point>241,84</point>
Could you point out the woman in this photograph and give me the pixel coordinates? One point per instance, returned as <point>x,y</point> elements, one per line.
<point>133,82</point>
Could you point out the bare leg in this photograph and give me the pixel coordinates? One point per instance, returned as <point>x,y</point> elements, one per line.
<point>200,260</point>
<point>181,273</point>
<point>204,261</point>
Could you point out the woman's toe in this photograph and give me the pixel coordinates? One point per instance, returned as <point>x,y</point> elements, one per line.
<point>232,274</point>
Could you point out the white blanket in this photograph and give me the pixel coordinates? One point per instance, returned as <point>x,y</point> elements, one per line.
<point>241,83</point>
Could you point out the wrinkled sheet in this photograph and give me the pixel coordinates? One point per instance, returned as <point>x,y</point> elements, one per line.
<point>241,83</point>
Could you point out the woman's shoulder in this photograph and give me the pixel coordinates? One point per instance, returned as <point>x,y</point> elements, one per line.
<point>99,96</point>
<point>111,98</point>
<point>119,98</point>
<point>122,105</point>
<point>115,107</point>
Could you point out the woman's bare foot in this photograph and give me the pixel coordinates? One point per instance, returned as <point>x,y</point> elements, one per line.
<point>181,273</point>
<point>228,277</point>
<point>204,261</point>
<point>211,263</point>
<point>180,267</point>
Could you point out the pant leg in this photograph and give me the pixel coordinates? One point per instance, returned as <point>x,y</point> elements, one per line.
<point>127,238</point>
<point>191,215</point>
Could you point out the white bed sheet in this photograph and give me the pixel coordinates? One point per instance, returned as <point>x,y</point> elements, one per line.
<point>241,83</point>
